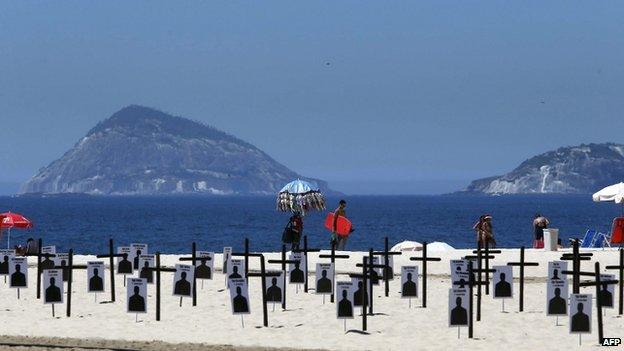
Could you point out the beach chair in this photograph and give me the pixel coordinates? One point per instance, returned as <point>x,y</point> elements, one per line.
<point>601,240</point>
<point>588,239</point>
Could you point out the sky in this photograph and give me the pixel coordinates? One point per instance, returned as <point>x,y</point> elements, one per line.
<point>393,97</point>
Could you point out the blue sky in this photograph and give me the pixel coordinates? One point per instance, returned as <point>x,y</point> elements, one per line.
<point>379,97</point>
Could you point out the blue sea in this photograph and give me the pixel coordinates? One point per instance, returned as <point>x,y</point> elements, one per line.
<point>170,224</point>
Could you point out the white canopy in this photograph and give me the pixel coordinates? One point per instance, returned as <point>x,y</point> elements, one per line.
<point>613,192</point>
<point>416,246</point>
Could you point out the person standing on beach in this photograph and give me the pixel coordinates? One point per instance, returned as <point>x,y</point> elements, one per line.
<point>484,231</point>
<point>539,224</point>
<point>340,240</point>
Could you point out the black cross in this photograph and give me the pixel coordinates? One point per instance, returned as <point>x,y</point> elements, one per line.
<point>246,254</point>
<point>598,283</point>
<point>479,281</point>
<point>522,264</point>
<point>193,260</point>
<point>159,269</point>
<point>371,271</point>
<point>111,255</point>
<point>283,262</point>
<point>488,253</point>
<point>365,276</point>
<point>387,271</point>
<point>70,276</point>
<point>424,259</point>
<point>620,268</point>
<point>305,253</point>
<point>262,274</point>
<point>39,255</point>
<point>333,258</point>
<point>471,284</point>
<point>576,259</point>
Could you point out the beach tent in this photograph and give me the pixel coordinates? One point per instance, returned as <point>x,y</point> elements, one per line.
<point>407,246</point>
<point>9,220</point>
<point>613,193</point>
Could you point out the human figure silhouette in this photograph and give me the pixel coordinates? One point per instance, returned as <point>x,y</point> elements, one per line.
<point>226,258</point>
<point>47,263</point>
<point>274,293</point>
<point>580,321</point>
<point>409,287</point>
<point>555,275</point>
<point>502,288</point>
<point>459,315</point>
<point>203,271</point>
<point>96,283</point>
<point>136,259</point>
<point>606,298</point>
<point>324,285</point>
<point>388,271</point>
<point>235,274</point>
<point>136,302</point>
<point>557,305</point>
<point>360,295</point>
<point>240,302</point>
<point>65,270</point>
<point>374,277</point>
<point>4,265</point>
<point>182,286</point>
<point>461,283</point>
<point>344,306</point>
<point>124,267</point>
<point>18,279</point>
<point>53,292</point>
<point>296,275</point>
<point>146,273</point>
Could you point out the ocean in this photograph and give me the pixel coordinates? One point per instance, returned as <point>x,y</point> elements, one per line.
<point>170,224</point>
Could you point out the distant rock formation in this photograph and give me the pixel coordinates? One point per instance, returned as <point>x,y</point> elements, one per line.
<point>142,151</point>
<point>579,169</point>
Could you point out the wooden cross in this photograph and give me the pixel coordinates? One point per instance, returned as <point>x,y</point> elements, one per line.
<point>471,284</point>
<point>262,274</point>
<point>522,264</point>
<point>305,251</point>
<point>576,259</point>
<point>487,256</point>
<point>111,256</point>
<point>193,260</point>
<point>157,268</point>
<point>387,271</point>
<point>365,276</point>
<point>424,259</point>
<point>479,281</point>
<point>598,283</point>
<point>70,276</point>
<point>371,271</point>
<point>620,268</point>
<point>283,262</point>
<point>333,258</point>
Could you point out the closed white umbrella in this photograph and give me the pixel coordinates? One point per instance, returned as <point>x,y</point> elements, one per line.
<point>613,193</point>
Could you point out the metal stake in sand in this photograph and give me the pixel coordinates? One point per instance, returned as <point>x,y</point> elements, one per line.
<point>424,259</point>
<point>333,258</point>
<point>158,269</point>
<point>576,257</point>
<point>598,283</point>
<point>111,256</point>
<point>620,268</point>
<point>283,262</point>
<point>521,264</point>
<point>305,253</point>
<point>387,271</point>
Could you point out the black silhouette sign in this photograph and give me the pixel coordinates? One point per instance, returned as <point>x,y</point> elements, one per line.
<point>136,251</point>
<point>60,260</point>
<point>459,306</point>
<point>136,295</point>
<point>204,265</point>
<point>124,263</point>
<point>580,313</point>
<point>239,296</point>
<point>95,276</point>
<point>145,263</point>
<point>359,292</point>
<point>18,272</point>
<point>227,255</point>
<point>557,289</point>
<point>297,271</point>
<point>606,293</point>
<point>502,282</point>
<point>457,267</point>
<point>48,262</point>
<point>5,256</point>
<point>236,269</point>
<point>376,271</point>
<point>53,288</point>
<point>409,282</point>
<point>183,280</point>
<point>324,278</point>
<point>344,300</point>
<point>274,287</point>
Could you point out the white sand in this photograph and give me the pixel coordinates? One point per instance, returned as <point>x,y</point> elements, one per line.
<point>308,323</point>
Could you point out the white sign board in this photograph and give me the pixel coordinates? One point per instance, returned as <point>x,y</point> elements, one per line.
<point>606,291</point>
<point>145,262</point>
<point>53,286</point>
<point>502,282</point>
<point>275,287</point>
<point>324,278</point>
<point>136,251</point>
<point>409,282</point>
<point>183,280</point>
<point>459,307</point>
<point>359,292</point>
<point>344,300</point>
<point>136,295</point>
<point>124,263</point>
<point>297,271</point>
<point>61,260</point>
<point>48,262</point>
<point>239,296</point>
<point>95,276</point>
<point>5,256</point>
<point>458,267</point>
<point>204,264</point>
<point>580,313</point>
<point>18,272</point>
<point>556,289</point>
<point>227,255</point>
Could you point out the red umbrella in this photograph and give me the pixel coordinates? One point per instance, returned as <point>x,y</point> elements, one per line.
<point>10,220</point>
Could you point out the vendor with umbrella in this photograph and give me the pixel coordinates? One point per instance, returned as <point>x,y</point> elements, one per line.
<point>298,197</point>
<point>9,220</point>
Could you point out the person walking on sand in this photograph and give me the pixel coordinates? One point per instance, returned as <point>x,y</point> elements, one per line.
<point>339,240</point>
<point>484,231</point>
<point>539,224</point>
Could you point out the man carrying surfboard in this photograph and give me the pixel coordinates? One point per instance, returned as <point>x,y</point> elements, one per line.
<point>338,235</point>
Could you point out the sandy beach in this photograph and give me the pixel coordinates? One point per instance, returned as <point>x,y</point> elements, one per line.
<point>307,323</point>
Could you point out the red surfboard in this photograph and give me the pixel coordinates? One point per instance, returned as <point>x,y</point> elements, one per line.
<point>343,225</point>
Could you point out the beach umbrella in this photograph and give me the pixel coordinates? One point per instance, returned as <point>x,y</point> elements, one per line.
<point>300,195</point>
<point>10,220</point>
<point>613,193</point>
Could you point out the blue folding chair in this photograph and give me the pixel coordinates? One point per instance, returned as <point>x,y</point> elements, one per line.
<point>601,240</point>
<point>589,238</point>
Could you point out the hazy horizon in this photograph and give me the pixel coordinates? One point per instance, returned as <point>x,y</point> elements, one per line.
<point>376,98</point>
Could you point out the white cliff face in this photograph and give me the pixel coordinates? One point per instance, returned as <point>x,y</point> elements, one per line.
<point>569,170</point>
<point>143,151</point>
